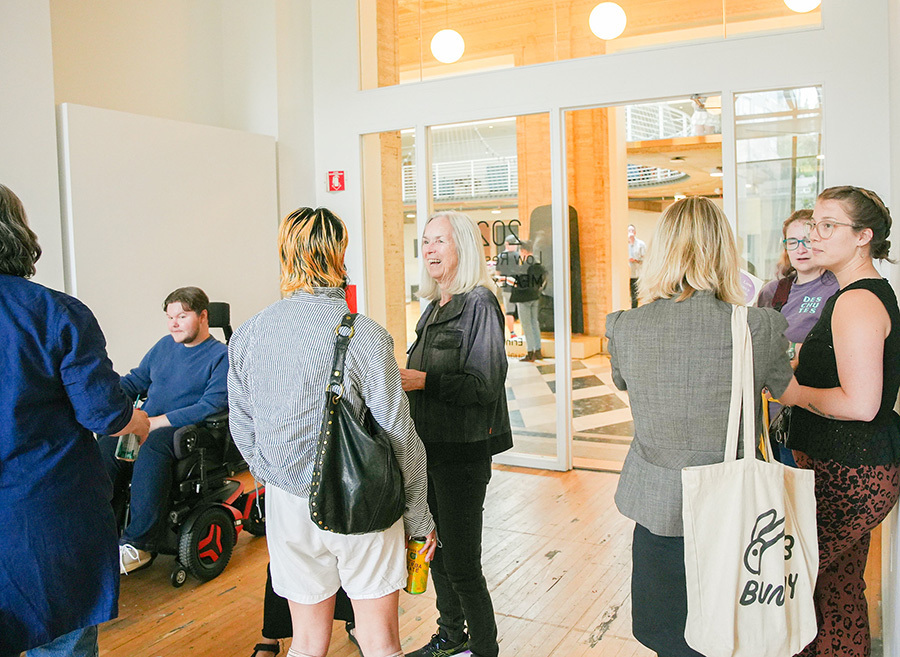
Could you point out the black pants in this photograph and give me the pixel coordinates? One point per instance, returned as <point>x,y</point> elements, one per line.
<point>659,593</point>
<point>277,614</point>
<point>456,498</point>
<point>634,292</point>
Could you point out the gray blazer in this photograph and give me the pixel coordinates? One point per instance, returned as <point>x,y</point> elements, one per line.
<point>674,358</point>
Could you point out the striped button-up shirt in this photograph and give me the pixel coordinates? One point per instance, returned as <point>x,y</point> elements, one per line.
<point>280,361</point>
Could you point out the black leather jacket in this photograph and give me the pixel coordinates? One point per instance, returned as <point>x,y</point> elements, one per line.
<point>464,358</point>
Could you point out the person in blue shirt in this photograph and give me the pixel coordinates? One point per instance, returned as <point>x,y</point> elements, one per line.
<point>58,574</point>
<point>184,377</point>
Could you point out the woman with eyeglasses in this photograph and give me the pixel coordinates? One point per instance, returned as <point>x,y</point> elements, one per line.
<point>799,293</point>
<point>843,425</point>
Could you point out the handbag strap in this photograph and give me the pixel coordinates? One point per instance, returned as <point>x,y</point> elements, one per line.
<point>782,292</point>
<point>742,395</point>
<point>344,331</point>
<point>334,391</point>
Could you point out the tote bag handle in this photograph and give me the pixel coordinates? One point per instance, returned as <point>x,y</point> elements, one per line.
<point>742,394</point>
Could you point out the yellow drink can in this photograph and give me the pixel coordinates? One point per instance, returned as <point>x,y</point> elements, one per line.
<point>416,566</point>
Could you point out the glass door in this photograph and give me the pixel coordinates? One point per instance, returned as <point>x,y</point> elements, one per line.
<point>498,171</point>
<point>624,166</point>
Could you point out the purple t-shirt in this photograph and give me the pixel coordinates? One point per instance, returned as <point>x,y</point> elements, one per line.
<point>804,304</point>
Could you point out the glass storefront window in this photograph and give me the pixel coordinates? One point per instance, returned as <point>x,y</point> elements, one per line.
<point>498,172</point>
<point>624,166</point>
<point>780,167</point>
<point>410,40</point>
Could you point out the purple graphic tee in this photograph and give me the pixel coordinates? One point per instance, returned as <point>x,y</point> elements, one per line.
<point>804,303</point>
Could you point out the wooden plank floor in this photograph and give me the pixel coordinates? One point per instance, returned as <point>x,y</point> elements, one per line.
<point>556,557</point>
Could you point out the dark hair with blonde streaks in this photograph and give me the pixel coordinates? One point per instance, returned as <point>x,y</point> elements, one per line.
<point>311,244</point>
<point>784,268</point>
<point>19,248</point>
<point>867,210</point>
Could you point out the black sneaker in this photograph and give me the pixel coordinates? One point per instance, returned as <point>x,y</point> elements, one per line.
<point>440,646</point>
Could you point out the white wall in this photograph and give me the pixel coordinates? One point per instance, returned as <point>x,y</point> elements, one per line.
<point>204,61</point>
<point>28,127</point>
<point>153,204</point>
<point>227,63</point>
<point>156,57</point>
<point>297,180</point>
<point>248,64</point>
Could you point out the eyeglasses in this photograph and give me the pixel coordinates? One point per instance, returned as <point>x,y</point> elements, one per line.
<point>824,228</point>
<point>791,243</point>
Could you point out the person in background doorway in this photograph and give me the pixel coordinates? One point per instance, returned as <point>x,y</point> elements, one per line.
<point>843,426</point>
<point>526,294</point>
<point>636,252</point>
<point>508,265</point>
<point>799,293</point>
<point>689,285</point>
<point>59,575</point>
<point>456,383</point>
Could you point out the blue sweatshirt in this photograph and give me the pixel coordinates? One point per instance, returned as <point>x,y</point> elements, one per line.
<point>186,384</point>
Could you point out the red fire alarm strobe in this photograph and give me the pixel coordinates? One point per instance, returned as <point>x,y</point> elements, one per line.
<point>335,181</point>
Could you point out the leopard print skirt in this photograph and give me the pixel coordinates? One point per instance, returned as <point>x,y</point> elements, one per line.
<point>850,502</point>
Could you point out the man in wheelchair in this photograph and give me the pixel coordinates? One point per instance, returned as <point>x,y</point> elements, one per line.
<point>183,378</point>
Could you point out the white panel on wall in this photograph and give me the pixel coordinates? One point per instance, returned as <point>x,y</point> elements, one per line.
<point>153,204</point>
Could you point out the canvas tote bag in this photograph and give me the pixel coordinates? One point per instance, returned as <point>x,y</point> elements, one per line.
<point>750,548</point>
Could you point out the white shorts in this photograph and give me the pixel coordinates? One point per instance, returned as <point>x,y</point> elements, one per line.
<point>309,565</point>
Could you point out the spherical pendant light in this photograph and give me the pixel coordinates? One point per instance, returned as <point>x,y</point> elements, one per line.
<point>447,46</point>
<point>802,6</point>
<point>607,20</point>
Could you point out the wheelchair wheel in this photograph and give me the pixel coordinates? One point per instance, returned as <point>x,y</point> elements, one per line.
<point>206,542</point>
<point>178,577</point>
<point>256,518</point>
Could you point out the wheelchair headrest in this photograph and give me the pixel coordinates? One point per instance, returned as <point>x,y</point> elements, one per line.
<point>220,317</point>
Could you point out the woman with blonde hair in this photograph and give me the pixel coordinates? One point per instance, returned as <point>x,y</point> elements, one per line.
<point>673,356</point>
<point>456,383</point>
<point>280,361</point>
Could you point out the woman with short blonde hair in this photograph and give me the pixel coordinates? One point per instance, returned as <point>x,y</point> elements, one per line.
<point>692,249</point>
<point>280,360</point>
<point>673,355</point>
<point>312,244</point>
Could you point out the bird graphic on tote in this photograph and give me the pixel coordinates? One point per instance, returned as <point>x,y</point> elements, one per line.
<point>767,531</point>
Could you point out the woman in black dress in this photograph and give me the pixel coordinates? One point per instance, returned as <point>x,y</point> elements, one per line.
<point>843,425</point>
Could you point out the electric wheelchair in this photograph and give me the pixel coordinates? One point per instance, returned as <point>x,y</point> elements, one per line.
<point>208,508</point>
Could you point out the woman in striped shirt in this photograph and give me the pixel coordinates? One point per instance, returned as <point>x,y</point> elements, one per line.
<point>280,361</point>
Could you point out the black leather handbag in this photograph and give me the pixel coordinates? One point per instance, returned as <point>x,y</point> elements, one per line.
<point>357,487</point>
<point>780,426</point>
